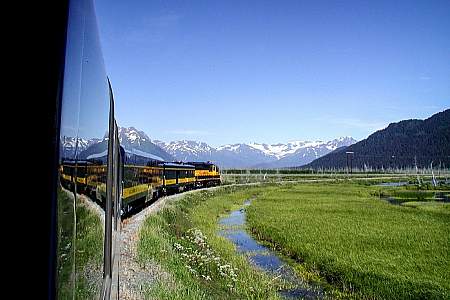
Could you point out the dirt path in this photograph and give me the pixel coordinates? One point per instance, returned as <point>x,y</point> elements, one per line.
<point>133,275</point>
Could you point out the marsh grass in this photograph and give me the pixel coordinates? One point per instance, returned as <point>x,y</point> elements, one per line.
<point>340,235</point>
<point>365,247</point>
<point>248,176</point>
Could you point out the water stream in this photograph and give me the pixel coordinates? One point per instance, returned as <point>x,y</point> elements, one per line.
<point>233,228</point>
<point>437,197</point>
<point>401,183</point>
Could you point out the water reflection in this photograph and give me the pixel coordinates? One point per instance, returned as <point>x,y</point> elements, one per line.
<point>263,258</point>
<point>420,196</point>
<point>402,183</point>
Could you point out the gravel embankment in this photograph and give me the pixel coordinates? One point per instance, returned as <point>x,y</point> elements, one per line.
<point>133,275</point>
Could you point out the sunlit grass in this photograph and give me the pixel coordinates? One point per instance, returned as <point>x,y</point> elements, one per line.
<point>202,265</point>
<point>356,241</point>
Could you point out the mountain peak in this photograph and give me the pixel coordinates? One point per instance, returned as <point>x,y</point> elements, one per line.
<point>132,138</point>
<point>281,150</point>
<point>132,135</point>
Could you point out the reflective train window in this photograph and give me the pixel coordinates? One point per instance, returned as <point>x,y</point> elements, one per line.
<point>84,135</point>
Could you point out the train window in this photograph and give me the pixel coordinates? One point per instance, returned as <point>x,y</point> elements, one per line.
<point>170,174</point>
<point>85,111</point>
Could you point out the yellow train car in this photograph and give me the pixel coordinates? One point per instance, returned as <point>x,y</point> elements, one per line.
<point>67,175</point>
<point>178,177</point>
<point>88,177</point>
<point>206,174</point>
<point>142,179</point>
<point>141,183</point>
<point>75,174</point>
<point>95,178</point>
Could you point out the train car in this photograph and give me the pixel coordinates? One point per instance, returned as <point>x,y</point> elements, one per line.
<point>67,175</point>
<point>85,177</point>
<point>177,177</point>
<point>80,172</point>
<point>206,174</point>
<point>95,178</point>
<point>142,179</point>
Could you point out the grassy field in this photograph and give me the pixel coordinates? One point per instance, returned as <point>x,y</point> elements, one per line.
<point>357,242</point>
<point>196,262</point>
<point>265,177</point>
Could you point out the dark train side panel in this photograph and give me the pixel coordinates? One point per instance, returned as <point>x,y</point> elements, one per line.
<point>88,160</point>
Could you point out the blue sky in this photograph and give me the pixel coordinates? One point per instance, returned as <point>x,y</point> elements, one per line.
<point>274,71</point>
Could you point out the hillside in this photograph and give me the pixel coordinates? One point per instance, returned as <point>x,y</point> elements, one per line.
<point>400,145</point>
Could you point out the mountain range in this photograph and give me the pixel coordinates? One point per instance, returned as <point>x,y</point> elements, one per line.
<point>130,138</point>
<point>251,155</point>
<point>254,155</point>
<point>404,144</point>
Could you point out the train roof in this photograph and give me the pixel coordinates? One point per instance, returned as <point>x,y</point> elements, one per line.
<point>98,155</point>
<point>76,162</point>
<point>200,163</point>
<point>177,165</point>
<point>143,154</point>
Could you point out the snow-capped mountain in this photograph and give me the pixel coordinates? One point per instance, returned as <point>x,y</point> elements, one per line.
<point>187,150</point>
<point>293,153</point>
<point>300,153</point>
<point>257,155</point>
<point>69,144</point>
<point>282,150</point>
<point>130,138</point>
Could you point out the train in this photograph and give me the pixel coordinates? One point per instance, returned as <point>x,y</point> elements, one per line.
<point>87,162</point>
<point>144,178</point>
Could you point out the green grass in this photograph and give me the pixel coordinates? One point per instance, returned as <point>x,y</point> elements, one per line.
<point>65,246</point>
<point>89,253</point>
<point>357,242</point>
<point>85,278</point>
<point>269,177</point>
<point>183,239</point>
